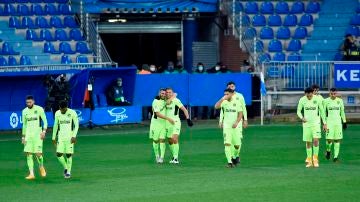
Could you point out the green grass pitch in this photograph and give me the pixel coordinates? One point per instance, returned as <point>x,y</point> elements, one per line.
<point>118,165</point>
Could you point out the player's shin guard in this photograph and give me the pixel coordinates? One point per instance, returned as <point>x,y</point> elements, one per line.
<point>40,160</point>
<point>228,153</point>
<point>316,150</point>
<point>62,161</point>
<point>328,146</point>
<point>162,149</point>
<point>309,153</point>
<point>69,164</point>
<point>156,149</point>
<point>176,150</point>
<point>336,149</point>
<point>30,163</point>
<point>237,151</point>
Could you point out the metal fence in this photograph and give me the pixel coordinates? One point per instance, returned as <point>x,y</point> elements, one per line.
<point>54,67</point>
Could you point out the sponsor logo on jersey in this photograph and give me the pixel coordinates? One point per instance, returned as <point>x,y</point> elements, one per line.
<point>310,108</point>
<point>32,119</point>
<point>230,110</point>
<point>334,108</point>
<point>65,122</point>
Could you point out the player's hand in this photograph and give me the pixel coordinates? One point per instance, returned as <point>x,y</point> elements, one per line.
<point>54,142</point>
<point>73,140</point>
<point>303,120</point>
<point>235,125</point>
<point>42,135</point>
<point>189,122</point>
<point>23,140</point>
<point>325,127</point>
<point>220,125</point>
<point>344,126</point>
<point>245,124</point>
<point>171,121</point>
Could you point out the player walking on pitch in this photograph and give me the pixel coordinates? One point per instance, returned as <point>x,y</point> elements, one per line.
<point>308,110</point>
<point>66,126</point>
<point>173,105</point>
<point>33,135</point>
<point>231,121</point>
<point>157,125</point>
<point>336,120</point>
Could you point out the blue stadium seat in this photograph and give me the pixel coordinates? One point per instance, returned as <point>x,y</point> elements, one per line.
<point>37,9</point>
<point>312,7</point>
<point>42,22</point>
<point>283,33</point>
<point>273,72</point>
<point>62,1</point>
<point>300,33</point>
<point>267,8</point>
<point>49,48</point>
<point>353,30</point>
<point>81,47</point>
<point>266,33</point>
<point>31,35</point>
<point>290,20</point>
<point>294,57</point>
<point>12,61</point>
<point>238,6</point>
<point>82,59</point>
<point>51,9</point>
<point>65,47</point>
<point>265,57</point>
<point>279,56</point>
<point>49,1</point>
<point>259,46</point>
<point>25,60</point>
<point>55,21</point>
<point>274,20</point>
<point>355,20</point>
<point>65,59</point>
<point>282,7</point>
<point>306,20</point>
<point>245,20</point>
<point>251,7</point>
<point>65,9</point>
<point>259,20</point>
<point>61,35</point>
<point>3,61</point>
<point>46,35</point>
<point>102,100</point>
<point>294,45</point>
<point>275,46</point>
<point>35,1</point>
<point>23,10</point>
<point>69,21</point>
<point>7,49</point>
<point>76,35</point>
<point>14,22</point>
<point>298,7</point>
<point>250,32</point>
<point>9,9</point>
<point>27,22</point>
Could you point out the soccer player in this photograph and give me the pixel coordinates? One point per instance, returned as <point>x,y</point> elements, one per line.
<point>230,120</point>
<point>66,126</point>
<point>336,120</point>
<point>173,105</point>
<point>33,134</point>
<point>308,110</point>
<point>240,98</point>
<point>157,126</point>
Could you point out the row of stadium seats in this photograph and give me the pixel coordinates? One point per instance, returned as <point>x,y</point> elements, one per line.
<point>67,59</point>
<point>281,7</point>
<point>65,47</point>
<point>33,1</point>
<point>280,56</point>
<point>275,20</point>
<point>35,9</point>
<point>12,61</point>
<point>7,49</point>
<point>42,22</point>
<point>281,33</point>
<point>276,45</point>
<point>59,35</point>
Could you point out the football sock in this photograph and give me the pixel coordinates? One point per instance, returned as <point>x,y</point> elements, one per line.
<point>176,150</point>
<point>328,146</point>
<point>156,148</point>
<point>336,149</point>
<point>62,161</point>
<point>162,149</point>
<point>30,163</point>
<point>316,150</point>
<point>40,160</point>
<point>69,164</point>
<point>308,152</point>
<point>228,153</point>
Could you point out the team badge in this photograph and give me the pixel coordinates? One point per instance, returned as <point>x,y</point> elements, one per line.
<point>314,102</point>
<point>338,102</point>
<point>35,112</point>
<point>69,115</point>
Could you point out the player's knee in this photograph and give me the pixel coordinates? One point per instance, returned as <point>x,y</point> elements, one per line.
<point>227,145</point>
<point>161,140</point>
<point>236,146</point>
<point>59,154</point>
<point>68,155</point>
<point>39,154</point>
<point>336,141</point>
<point>156,141</point>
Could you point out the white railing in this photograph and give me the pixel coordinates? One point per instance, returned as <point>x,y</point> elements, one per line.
<point>54,67</point>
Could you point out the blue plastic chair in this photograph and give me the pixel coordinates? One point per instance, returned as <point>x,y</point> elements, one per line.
<point>312,7</point>
<point>355,20</point>
<point>56,22</point>
<point>275,46</point>
<point>65,59</point>
<point>14,22</point>
<point>294,45</point>
<point>266,33</point>
<point>37,9</point>
<point>69,21</point>
<point>259,46</point>
<point>49,48</point>
<point>61,35</point>
<point>46,35</point>
<point>51,9</point>
<point>9,9</point>
<point>35,1</point>
<point>282,7</point>
<point>250,32</point>
<point>290,20</point>
<point>65,47</point>
<point>65,9</point>
<point>353,30</point>
<point>245,20</point>
<point>294,57</point>
<point>23,10</point>
<point>306,20</point>
<point>259,20</point>
<point>62,1</point>
<point>238,6</point>
<point>298,7</point>
<point>76,35</point>
<point>81,47</point>
<point>31,35</point>
<point>279,56</point>
<point>12,61</point>
<point>27,22</point>
<point>283,33</point>
<point>267,8</point>
<point>3,61</point>
<point>274,20</point>
<point>49,1</point>
<point>251,7</point>
<point>300,33</point>
<point>82,59</point>
<point>7,49</point>
<point>265,57</point>
<point>42,22</point>
<point>25,60</point>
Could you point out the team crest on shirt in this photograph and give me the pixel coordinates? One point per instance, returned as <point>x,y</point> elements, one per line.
<point>69,115</point>
<point>35,112</point>
<point>338,102</point>
<point>237,98</point>
<point>314,102</point>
